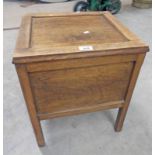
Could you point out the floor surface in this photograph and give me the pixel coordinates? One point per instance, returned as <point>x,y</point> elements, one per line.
<point>88,134</point>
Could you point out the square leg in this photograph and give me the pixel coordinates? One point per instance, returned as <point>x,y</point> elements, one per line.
<point>123,110</point>
<point>25,85</point>
<point>120,119</point>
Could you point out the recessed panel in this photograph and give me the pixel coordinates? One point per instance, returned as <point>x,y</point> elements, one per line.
<point>73,30</point>
<point>63,90</point>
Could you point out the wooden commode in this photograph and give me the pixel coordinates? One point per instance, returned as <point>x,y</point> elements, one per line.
<point>75,63</point>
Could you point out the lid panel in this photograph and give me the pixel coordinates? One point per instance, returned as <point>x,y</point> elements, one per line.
<point>73,30</point>
<point>48,36</point>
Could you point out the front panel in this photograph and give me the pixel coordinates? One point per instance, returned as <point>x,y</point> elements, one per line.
<point>73,88</point>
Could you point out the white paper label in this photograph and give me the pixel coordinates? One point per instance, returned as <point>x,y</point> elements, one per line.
<point>86,48</point>
<point>86,32</point>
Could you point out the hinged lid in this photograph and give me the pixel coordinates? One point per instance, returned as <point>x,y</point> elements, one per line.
<point>44,37</point>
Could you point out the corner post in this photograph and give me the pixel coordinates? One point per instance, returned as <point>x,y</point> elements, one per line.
<point>123,110</point>
<point>27,92</point>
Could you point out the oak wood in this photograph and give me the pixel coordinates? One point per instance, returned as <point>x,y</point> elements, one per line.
<point>73,31</point>
<point>25,85</point>
<point>24,37</point>
<point>44,55</point>
<point>123,110</point>
<point>112,37</point>
<point>124,30</point>
<point>77,63</point>
<point>85,86</point>
<point>58,79</point>
<point>109,105</point>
